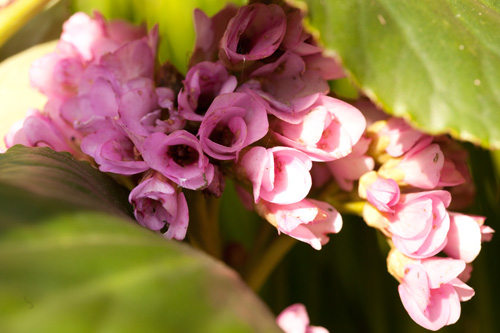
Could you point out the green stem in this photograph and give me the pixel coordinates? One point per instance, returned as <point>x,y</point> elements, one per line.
<point>204,230</point>
<point>258,275</point>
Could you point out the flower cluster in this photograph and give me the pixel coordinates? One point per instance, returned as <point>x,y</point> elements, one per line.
<point>253,106</point>
<point>408,199</point>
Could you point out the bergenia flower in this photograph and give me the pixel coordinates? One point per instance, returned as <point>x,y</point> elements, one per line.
<point>57,75</point>
<point>431,292</point>
<point>279,174</point>
<point>420,167</point>
<point>420,223</point>
<point>203,83</point>
<point>38,130</point>
<point>209,31</point>
<point>97,99</point>
<point>327,132</point>
<point>254,33</point>
<point>113,150</point>
<point>165,118</point>
<point>465,236</point>
<point>308,220</point>
<point>294,319</point>
<point>400,136</point>
<point>94,37</point>
<point>232,122</point>
<point>138,99</point>
<point>180,158</point>
<point>158,206</point>
<point>380,192</point>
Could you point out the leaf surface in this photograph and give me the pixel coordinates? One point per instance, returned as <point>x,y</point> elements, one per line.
<point>433,62</point>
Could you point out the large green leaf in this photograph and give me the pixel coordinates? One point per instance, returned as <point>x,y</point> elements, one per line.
<point>434,62</point>
<point>70,266</point>
<point>89,272</point>
<point>175,20</point>
<point>38,181</point>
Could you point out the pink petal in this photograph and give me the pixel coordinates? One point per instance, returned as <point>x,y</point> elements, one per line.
<point>464,238</point>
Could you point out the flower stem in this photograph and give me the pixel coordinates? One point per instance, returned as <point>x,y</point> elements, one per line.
<point>258,274</point>
<point>204,223</point>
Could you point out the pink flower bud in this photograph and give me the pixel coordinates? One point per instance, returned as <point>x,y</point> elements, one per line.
<point>327,132</point>
<point>420,223</point>
<point>382,193</point>
<point>431,292</point>
<point>402,137</point>
<point>279,174</point>
<point>422,166</point>
<point>254,33</point>
<point>157,205</point>
<point>232,122</point>
<point>308,220</point>
<point>203,83</point>
<point>294,319</point>
<point>464,237</point>
<point>179,157</point>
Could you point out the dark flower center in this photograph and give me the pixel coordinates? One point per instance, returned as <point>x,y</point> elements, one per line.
<point>222,135</point>
<point>183,154</point>
<point>204,101</point>
<point>244,46</point>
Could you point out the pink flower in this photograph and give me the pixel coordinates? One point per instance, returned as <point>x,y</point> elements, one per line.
<point>308,220</point>
<point>420,223</point>
<point>113,150</point>
<point>93,38</point>
<point>296,39</point>
<point>279,174</point>
<point>158,205</point>
<point>179,157</point>
<point>381,192</point>
<point>203,83</point>
<point>232,122</point>
<point>97,99</point>
<point>209,32</point>
<point>165,118</point>
<point>57,75</point>
<point>294,319</point>
<point>287,86</point>
<point>465,236</point>
<point>420,167</point>
<point>134,59</point>
<point>254,33</point>
<point>401,136</point>
<point>347,170</point>
<point>38,130</point>
<point>327,132</point>
<point>431,292</point>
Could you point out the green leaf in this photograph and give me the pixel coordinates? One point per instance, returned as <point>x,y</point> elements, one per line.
<point>70,266</point>
<point>89,272</point>
<point>39,181</point>
<point>434,62</point>
<point>175,20</point>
